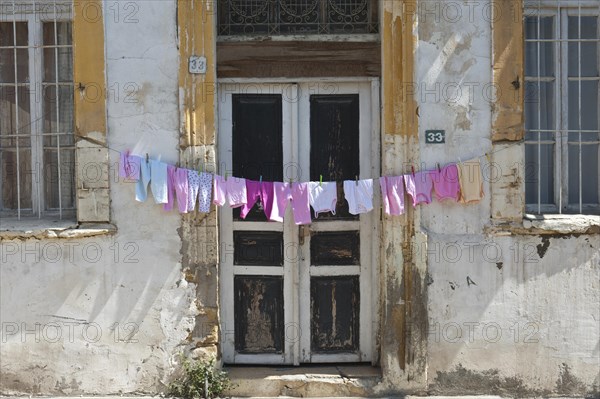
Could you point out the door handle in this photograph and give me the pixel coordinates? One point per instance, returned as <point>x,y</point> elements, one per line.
<point>301,234</point>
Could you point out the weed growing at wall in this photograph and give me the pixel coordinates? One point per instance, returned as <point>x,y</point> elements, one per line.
<point>200,379</point>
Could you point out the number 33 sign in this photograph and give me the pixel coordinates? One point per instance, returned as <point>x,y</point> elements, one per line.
<point>435,136</point>
<point>197,65</point>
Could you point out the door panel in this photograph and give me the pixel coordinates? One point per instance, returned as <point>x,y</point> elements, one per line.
<point>335,308</point>
<point>335,248</point>
<point>257,142</point>
<point>334,143</point>
<point>257,248</point>
<point>334,137</point>
<point>255,273</point>
<point>257,136</point>
<point>259,314</point>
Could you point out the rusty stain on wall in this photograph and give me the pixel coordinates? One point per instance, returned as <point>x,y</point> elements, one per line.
<point>507,66</point>
<point>398,46</point>
<point>197,110</point>
<point>403,319</point>
<point>196,37</point>
<point>89,71</point>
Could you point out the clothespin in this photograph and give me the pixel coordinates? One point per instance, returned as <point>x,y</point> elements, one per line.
<point>438,166</point>
<point>412,168</point>
<point>487,156</point>
<point>320,180</point>
<point>146,157</point>
<point>357,180</point>
<point>261,178</point>
<point>225,174</point>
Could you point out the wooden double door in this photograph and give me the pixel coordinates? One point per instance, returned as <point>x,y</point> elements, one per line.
<point>298,294</point>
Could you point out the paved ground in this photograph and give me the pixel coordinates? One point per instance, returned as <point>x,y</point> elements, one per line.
<point>280,397</point>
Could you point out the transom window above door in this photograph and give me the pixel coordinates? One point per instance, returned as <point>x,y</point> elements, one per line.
<point>297,17</point>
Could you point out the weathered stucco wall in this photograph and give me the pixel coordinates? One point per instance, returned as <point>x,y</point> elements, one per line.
<point>462,310</point>
<point>514,314</point>
<point>105,315</point>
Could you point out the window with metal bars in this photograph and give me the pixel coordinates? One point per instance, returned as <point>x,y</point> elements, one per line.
<point>562,136</point>
<point>297,17</point>
<point>37,151</point>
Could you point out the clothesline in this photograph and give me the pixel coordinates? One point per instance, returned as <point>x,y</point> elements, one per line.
<point>458,182</point>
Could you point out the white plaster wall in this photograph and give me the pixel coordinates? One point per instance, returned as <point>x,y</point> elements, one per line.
<point>453,68</point>
<point>495,304</point>
<point>97,291</point>
<point>546,310</point>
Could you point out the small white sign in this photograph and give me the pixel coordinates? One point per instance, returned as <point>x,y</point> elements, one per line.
<point>197,64</point>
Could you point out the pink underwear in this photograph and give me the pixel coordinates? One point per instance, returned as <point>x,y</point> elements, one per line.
<point>298,194</point>
<point>419,187</point>
<point>258,190</point>
<point>392,194</point>
<point>445,183</point>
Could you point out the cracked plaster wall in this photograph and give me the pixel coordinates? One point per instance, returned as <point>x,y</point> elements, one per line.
<point>108,314</point>
<point>508,314</point>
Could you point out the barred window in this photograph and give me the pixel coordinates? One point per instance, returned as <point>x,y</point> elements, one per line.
<point>561,107</point>
<point>37,152</point>
<point>297,17</point>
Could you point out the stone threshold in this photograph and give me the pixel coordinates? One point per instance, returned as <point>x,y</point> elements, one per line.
<point>303,381</point>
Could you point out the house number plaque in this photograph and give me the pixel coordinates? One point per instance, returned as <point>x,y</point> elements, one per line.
<point>197,64</point>
<point>435,136</point>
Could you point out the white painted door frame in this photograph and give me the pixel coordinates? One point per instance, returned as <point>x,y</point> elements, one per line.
<point>296,270</point>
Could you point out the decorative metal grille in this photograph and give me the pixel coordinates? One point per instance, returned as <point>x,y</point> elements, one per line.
<point>297,17</point>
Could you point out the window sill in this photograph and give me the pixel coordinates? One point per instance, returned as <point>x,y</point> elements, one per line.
<point>12,228</point>
<point>548,224</point>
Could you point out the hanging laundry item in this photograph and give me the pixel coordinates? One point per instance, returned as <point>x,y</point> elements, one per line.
<point>392,194</point>
<point>193,188</point>
<point>419,187</point>
<point>129,166</point>
<point>158,181</point>
<point>256,190</point>
<point>170,188</point>
<point>205,192</point>
<point>233,190</point>
<point>141,188</point>
<point>445,183</point>
<point>298,194</point>
<point>220,190</point>
<point>471,182</point>
<point>180,183</point>
<point>359,195</point>
<point>237,191</point>
<point>322,197</point>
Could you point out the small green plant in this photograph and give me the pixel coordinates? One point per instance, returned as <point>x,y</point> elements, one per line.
<point>200,379</point>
